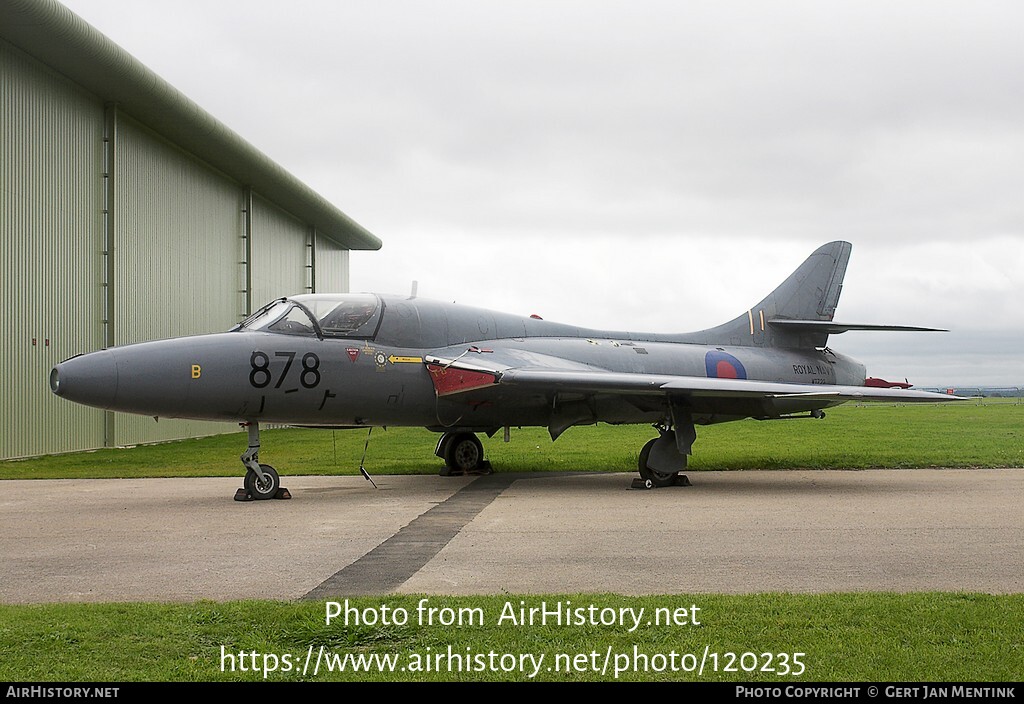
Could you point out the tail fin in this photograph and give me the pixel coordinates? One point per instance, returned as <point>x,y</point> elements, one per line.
<point>810,294</point>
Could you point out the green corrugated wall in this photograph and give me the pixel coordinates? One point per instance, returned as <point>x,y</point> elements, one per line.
<point>179,253</point>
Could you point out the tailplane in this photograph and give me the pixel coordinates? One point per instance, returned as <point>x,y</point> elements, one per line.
<point>798,313</point>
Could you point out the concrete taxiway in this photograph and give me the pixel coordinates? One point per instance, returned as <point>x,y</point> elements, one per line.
<point>732,532</point>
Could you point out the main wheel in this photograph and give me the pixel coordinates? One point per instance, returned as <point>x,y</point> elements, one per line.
<point>463,453</point>
<point>659,479</point>
<point>262,489</point>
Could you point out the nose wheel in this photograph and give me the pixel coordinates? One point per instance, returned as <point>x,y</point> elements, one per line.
<point>264,487</point>
<point>261,480</point>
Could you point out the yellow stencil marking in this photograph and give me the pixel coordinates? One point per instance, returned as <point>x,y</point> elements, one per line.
<point>394,359</point>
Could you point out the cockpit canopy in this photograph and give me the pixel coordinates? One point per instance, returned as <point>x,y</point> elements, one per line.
<point>347,315</point>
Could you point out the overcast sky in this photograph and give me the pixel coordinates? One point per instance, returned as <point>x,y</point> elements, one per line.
<point>651,166</point>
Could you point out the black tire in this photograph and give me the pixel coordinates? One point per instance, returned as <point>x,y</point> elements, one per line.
<point>262,490</point>
<point>659,479</point>
<point>463,453</point>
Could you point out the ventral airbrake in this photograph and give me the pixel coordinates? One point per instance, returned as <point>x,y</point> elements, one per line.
<point>365,360</point>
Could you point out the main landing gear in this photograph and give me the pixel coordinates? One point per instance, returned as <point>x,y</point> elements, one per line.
<point>261,480</point>
<point>463,453</point>
<point>662,458</point>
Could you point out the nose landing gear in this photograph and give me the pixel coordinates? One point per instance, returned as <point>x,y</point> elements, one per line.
<point>261,480</point>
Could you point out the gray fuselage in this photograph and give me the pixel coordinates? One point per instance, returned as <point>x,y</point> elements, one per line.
<point>376,374</point>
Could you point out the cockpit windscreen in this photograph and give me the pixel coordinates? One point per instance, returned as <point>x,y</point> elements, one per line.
<point>354,315</point>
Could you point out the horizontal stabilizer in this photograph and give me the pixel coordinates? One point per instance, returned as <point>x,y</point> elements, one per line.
<point>830,328</point>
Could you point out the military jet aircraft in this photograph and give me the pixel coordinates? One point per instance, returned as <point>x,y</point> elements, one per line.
<point>364,360</point>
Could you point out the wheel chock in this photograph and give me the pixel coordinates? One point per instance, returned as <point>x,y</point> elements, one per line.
<point>243,495</point>
<point>640,483</point>
<point>483,470</point>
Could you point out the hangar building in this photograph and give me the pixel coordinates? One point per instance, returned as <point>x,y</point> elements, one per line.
<point>128,213</point>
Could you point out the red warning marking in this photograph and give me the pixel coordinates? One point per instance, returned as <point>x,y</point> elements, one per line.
<point>448,380</point>
<point>353,353</point>
<point>883,384</point>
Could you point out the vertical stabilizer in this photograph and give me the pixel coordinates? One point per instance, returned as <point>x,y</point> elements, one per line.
<point>810,293</point>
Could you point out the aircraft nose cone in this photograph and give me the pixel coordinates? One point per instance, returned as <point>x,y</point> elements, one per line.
<point>89,378</point>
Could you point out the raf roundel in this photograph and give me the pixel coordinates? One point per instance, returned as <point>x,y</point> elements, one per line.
<point>722,365</point>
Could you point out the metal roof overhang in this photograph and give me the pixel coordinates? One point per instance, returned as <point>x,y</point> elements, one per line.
<point>54,35</point>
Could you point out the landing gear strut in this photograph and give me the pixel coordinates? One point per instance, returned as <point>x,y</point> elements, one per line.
<point>463,453</point>
<point>261,480</point>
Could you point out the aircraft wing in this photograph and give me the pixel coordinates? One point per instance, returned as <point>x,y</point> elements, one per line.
<point>609,382</point>
<point>455,376</point>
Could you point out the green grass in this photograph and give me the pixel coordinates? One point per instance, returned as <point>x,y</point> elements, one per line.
<point>844,637</point>
<point>871,435</point>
